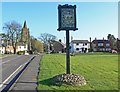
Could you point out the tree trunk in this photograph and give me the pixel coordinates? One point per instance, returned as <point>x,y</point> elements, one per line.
<point>14,48</point>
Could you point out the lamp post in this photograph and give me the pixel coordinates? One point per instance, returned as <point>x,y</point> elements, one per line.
<point>67,22</point>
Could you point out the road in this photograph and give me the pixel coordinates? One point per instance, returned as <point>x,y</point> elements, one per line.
<point>11,65</point>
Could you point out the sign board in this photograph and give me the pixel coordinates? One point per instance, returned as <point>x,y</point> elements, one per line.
<point>67,17</point>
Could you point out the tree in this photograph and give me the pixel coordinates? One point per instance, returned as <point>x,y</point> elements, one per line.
<point>47,39</point>
<point>13,30</point>
<point>112,40</point>
<point>39,46</point>
<point>36,45</point>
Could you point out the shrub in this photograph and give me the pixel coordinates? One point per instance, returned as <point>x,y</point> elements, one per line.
<point>21,52</point>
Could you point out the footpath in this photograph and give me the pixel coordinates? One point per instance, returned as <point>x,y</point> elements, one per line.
<point>28,80</point>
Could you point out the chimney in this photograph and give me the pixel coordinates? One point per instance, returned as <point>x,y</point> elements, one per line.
<point>95,38</point>
<point>90,39</point>
<point>103,38</point>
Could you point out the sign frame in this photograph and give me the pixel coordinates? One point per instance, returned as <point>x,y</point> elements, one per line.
<point>66,6</point>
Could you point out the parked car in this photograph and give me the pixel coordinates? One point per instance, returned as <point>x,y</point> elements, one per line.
<point>114,51</point>
<point>26,54</point>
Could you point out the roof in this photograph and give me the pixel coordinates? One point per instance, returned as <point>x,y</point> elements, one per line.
<point>101,41</point>
<point>2,45</point>
<point>21,44</point>
<point>25,24</point>
<point>59,43</point>
<point>80,41</point>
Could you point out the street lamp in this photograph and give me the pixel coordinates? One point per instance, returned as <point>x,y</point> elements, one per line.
<point>67,21</point>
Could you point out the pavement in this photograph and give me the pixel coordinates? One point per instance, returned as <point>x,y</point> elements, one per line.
<point>28,80</point>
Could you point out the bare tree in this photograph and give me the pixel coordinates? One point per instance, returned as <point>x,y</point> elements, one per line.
<point>47,38</point>
<point>13,30</point>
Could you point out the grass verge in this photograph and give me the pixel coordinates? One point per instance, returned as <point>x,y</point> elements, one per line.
<point>100,71</point>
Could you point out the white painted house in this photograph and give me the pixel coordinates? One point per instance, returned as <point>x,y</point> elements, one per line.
<point>22,47</point>
<point>2,47</point>
<point>81,46</point>
<point>19,47</point>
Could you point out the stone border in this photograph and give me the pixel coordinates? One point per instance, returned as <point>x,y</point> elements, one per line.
<point>69,79</point>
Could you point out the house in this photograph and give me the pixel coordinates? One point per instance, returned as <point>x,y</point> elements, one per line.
<point>9,49</point>
<point>101,45</point>
<point>20,47</point>
<point>2,47</point>
<point>57,47</point>
<point>79,46</point>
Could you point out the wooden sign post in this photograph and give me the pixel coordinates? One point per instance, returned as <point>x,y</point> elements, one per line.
<point>67,22</point>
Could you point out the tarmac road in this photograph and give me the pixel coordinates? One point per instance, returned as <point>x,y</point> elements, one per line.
<point>12,64</point>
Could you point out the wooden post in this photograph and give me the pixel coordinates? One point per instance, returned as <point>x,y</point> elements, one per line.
<point>67,53</point>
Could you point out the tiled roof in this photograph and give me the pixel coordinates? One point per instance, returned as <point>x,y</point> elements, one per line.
<point>101,41</point>
<point>80,41</point>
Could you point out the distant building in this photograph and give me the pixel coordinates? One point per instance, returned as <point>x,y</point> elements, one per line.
<point>79,46</point>
<point>57,47</point>
<point>101,45</point>
<point>23,44</point>
<point>21,47</point>
<point>25,36</point>
<point>2,47</point>
<point>9,49</point>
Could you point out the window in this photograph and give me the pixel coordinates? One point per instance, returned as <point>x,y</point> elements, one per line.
<point>77,48</point>
<point>100,44</point>
<point>107,44</point>
<point>77,43</point>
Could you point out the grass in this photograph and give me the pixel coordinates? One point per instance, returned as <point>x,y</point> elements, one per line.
<point>100,71</point>
<point>1,55</point>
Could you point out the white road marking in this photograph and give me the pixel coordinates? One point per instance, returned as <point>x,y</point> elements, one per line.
<point>10,60</point>
<point>12,74</point>
<point>5,61</point>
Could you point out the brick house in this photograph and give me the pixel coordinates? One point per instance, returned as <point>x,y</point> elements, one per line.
<point>101,45</point>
